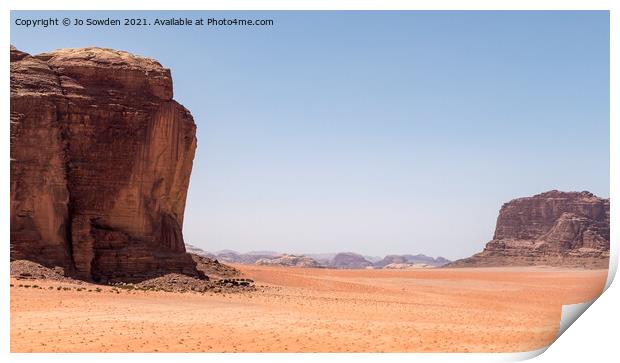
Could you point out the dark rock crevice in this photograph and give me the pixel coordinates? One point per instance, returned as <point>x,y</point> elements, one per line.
<point>64,136</point>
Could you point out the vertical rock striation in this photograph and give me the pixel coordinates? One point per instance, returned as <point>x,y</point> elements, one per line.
<point>553,228</point>
<point>101,157</point>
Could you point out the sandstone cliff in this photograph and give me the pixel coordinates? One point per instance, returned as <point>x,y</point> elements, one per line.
<point>101,157</point>
<point>553,228</point>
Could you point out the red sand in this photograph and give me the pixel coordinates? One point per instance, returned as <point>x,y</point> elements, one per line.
<point>310,310</point>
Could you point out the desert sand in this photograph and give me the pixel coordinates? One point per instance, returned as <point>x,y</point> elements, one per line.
<point>308,310</point>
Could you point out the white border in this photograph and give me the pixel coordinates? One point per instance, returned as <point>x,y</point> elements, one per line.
<point>575,343</point>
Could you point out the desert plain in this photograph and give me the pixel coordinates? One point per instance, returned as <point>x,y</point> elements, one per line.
<point>308,310</point>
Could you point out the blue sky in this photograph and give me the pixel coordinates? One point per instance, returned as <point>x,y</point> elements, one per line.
<point>374,132</point>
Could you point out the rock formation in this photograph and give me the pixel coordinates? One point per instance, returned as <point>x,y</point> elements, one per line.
<point>101,157</point>
<point>349,260</point>
<point>404,260</point>
<point>407,266</point>
<point>553,228</point>
<point>289,261</point>
<point>191,249</point>
<point>248,258</point>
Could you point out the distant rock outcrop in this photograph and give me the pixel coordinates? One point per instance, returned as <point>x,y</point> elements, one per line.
<point>349,260</point>
<point>407,266</point>
<point>323,258</point>
<point>406,260</point>
<point>242,258</point>
<point>198,251</point>
<point>553,228</point>
<point>289,261</point>
<point>101,157</point>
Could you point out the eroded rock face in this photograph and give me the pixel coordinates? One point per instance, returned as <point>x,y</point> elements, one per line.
<point>553,228</point>
<point>349,260</point>
<point>101,157</point>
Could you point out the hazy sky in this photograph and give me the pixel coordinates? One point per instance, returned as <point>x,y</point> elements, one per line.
<point>374,132</point>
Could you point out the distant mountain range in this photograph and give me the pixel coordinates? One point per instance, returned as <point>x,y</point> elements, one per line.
<point>343,260</point>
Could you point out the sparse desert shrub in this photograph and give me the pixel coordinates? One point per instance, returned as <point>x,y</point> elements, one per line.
<point>26,286</point>
<point>59,288</point>
<point>51,288</point>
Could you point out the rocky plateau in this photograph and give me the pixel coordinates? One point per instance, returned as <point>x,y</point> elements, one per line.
<point>569,229</point>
